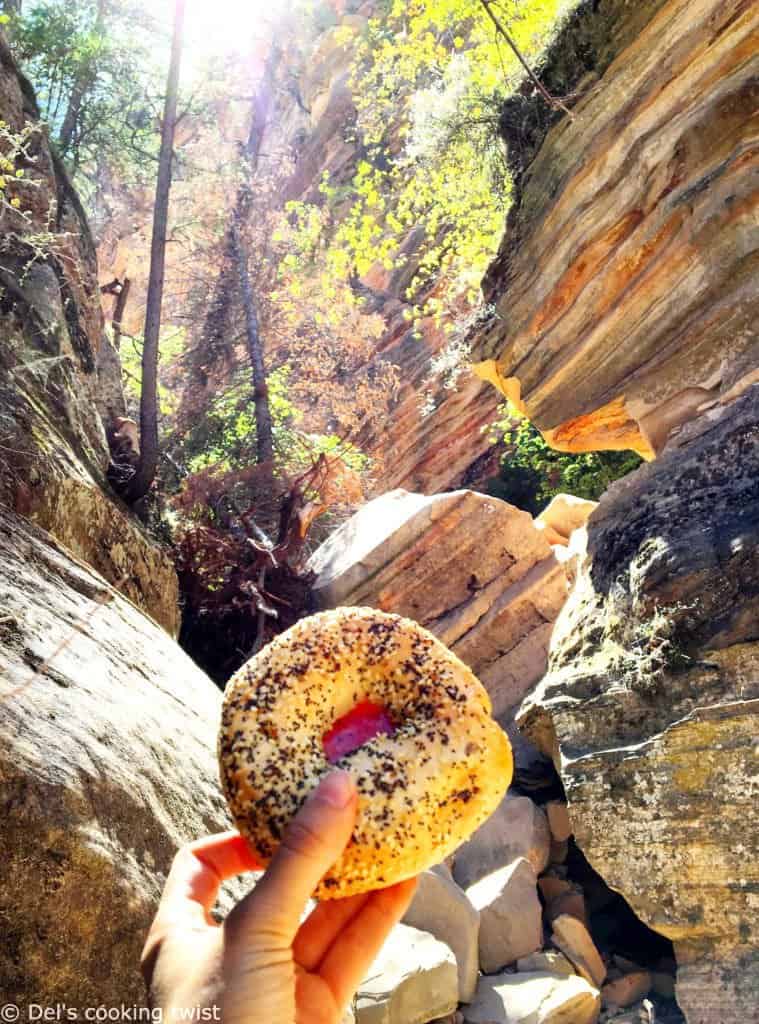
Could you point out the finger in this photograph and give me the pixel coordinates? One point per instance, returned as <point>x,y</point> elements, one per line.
<point>351,955</point>
<point>197,872</point>
<point>312,843</point>
<point>321,928</point>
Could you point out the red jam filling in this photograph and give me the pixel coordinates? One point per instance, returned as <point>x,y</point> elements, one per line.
<point>355,728</point>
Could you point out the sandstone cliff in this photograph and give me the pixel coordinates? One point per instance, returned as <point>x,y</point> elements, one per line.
<point>625,289</point>
<point>626,316</point>
<point>420,450</point>
<point>60,380</point>
<point>107,764</point>
<point>650,704</point>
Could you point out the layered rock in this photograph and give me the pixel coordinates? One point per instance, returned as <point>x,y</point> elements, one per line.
<point>625,287</point>
<point>472,569</point>
<point>59,377</point>
<point>650,704</point>
<point>107,764</point>
<point>433,432</point>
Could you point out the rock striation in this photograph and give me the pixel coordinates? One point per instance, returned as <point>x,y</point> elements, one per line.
<point>470,568</point>
<point>434,433</point>
<point>107,764</point>
<point>625,290</point>
<point>60,380</point>
<point>649,707</point>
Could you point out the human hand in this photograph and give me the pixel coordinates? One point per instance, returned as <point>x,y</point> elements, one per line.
<point>261,965</point>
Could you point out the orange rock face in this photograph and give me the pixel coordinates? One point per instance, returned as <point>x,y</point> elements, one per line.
<point>626,281</point>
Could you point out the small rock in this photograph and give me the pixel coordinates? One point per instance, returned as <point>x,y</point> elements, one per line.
<point>538,998</point>
<point>551,887</point>
<point>628,989</point>
<point>441,908</point>
<point>549,960</point>
<point>573,939</point>
<point>557,852</point>
<point>663,984</point>
<point>412,981</point>
<point>517,828</point>
<point>563,515</point>
<point>558,820</point>
<point>510,915</point>
<point>572,903</point>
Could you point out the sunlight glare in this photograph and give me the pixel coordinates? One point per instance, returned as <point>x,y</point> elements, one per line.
<point>215,28</point>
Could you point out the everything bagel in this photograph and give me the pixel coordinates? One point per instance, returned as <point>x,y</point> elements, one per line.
<point>378,696</point>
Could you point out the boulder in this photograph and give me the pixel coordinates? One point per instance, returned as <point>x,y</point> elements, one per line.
<point>107,765</point>
<point>412,981</point>
<point>472,569</point>
<point>558,820</point>
<point>649,707</point>
<point>442,909</point>
<point>510,916</point>
<point>517,828</point>
<point>571,903</point>
<point>625,289</point>
<point>562,516</point>
<point>549,960</point>
<point>573,939</point>
<point>537,998</point>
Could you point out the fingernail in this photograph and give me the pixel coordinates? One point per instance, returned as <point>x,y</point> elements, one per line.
<point>337,789</point>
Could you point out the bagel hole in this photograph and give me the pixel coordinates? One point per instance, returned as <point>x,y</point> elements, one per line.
<point>355,728</point>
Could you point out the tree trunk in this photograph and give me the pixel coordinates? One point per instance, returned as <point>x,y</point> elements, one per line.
<point>214,328</point>
<point>146,468</point>
<point>82,85</point>
<point>264,433</point>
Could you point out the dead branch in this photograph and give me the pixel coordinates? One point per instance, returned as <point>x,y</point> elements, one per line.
<point>552,101</point>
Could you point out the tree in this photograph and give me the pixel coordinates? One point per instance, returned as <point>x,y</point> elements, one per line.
<point>261,106</point>
<point>91,66</point>
<point>149,446</point>
<point>532,473</point>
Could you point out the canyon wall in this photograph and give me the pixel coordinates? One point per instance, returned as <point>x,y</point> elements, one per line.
<point>624,292</point>
<point>651,703</point>
<point>625,316</point>
<point>433,433</point>
<point>60,380</point>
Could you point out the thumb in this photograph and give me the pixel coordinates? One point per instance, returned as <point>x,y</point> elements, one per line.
<point>312,843</point>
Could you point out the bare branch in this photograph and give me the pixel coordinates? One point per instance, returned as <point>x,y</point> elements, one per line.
<point>501,30</point>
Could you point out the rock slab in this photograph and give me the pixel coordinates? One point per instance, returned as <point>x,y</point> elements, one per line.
<point>472,569</point>
<point>412,981</point>
<point>60,379</point>
<point>107,765</point>
<point>510,915</point>
<point>537,998</point>
<point>649,707</point>
<point>441,908</point>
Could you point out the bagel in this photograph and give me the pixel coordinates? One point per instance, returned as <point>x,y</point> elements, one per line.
<point>394,708</point>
